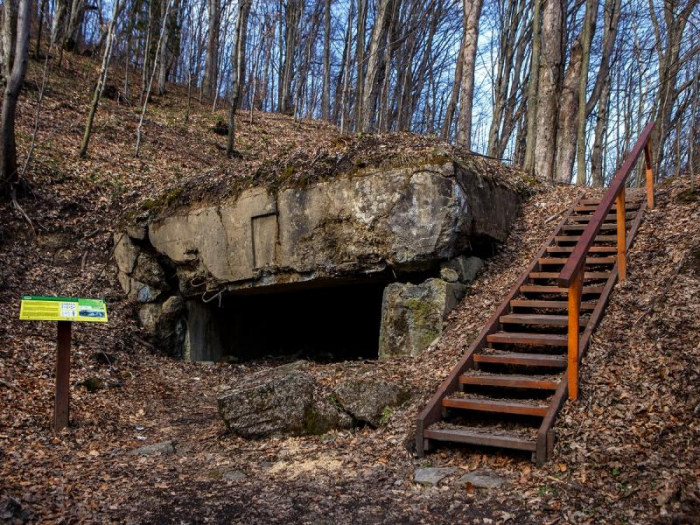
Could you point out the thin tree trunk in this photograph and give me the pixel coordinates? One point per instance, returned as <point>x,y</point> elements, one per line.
<point>150,82</point>
<point>532,89</point>
<point>326,94</point>
<point>237,70</point>
<point>601,125</point>
<point>100,81</point>
<point>13,86</point>
<point>472,14</point>
<point>586,38</point>
<point>549,88</point>
<point>377,41</point>
<point>454,96</point>
<point>211,61</point>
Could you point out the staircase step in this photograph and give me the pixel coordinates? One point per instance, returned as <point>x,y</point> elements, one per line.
<point>499,406</point>
<point>534,288</point>
<point>611,217</point>
<point>528,339</point>
<point>548,261</point>
<point>511,381</point>
<point>537,319</point>
<point>471,436</point>
<point>517,358</point>
<point>592,249</point>
<point>528,303</point>
<point>629,206</point>
<point>575,238</point>
<point>581,227</point>
<point>631,199</point>
<point>555,275</point>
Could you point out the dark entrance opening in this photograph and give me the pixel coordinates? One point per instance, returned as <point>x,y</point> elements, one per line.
<point>335,322</point>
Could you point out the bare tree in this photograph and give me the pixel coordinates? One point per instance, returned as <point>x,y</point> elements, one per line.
<point>16,50</point>
<point>472,15</point>
<point>101,80</point>
<point>237,69</point>
<point>549,88</point>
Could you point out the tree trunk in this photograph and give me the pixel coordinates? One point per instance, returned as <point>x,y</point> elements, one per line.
<point>472,14</point>
<point>13,86</point>
<point>293,12</point>
<point>454,96</point>
<point>532,90</point>
<point>102,79</point>
<point>211,62</point>
<point>549,88</point>
<point>601,128</point>
<point>237,69</point>
<point>568,111</point>
<point>326,93</point>
<point>360,60</point>
<point>377,41</point>
<point>589,25</point>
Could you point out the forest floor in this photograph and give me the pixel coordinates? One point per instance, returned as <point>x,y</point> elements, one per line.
<point>628,451</point>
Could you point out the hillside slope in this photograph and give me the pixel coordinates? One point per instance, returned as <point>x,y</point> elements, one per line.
<point>627,450</point>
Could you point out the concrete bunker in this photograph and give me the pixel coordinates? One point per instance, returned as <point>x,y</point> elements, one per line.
<point>361,266</point>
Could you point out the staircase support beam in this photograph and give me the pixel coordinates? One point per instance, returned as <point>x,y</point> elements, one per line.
<point>621,233</point>
<point>575,289</point>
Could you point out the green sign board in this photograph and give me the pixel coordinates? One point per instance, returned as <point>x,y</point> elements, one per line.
<point>36,308</point>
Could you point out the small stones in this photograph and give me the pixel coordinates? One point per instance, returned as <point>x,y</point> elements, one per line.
<point>482,479</point>
<point>234,475</point>
<point>157,449</point>
<point>432,475</point>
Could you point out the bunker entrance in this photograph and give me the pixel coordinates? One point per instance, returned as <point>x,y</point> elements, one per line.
<point>326,322</point>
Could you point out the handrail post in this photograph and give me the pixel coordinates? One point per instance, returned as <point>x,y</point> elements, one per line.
<point>575,289</point>
<point>621,234</point>
<point>650,175</point>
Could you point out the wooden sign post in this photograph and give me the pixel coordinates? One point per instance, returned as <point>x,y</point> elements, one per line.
<point>63,310</point>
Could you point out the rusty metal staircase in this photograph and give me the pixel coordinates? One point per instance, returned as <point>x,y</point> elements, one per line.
<point>510,384</point>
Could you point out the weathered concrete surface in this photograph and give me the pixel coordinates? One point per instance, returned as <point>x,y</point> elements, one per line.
<point>379,223</point>
<point>402,219</point>
<point>279,402</point>
<point>412,315</point>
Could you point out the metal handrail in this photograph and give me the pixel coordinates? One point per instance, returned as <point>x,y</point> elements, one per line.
<point>571,275</point>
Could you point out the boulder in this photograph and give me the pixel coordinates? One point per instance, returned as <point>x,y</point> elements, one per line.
<point>368,399</point>
<point>281,401</point>
<point>413,314</point>
<point>467,268</point>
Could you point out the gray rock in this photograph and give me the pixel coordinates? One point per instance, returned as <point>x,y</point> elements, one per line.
<point>157,449</point>
<point>412,315</point>
<point>149,315</point>
<point>125,253</point>
<point>234,475</point>
<point>449,275</point>
<point>483,479</point>
<point>467,268</point>
<point>278,402</point>
<point>172,307</point>
<point>368,399</point>
<point>148,271</point>
<point>137,231</point>
<point>432,475</point>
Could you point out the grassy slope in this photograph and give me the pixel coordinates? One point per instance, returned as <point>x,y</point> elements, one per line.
<point>628,448</point>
